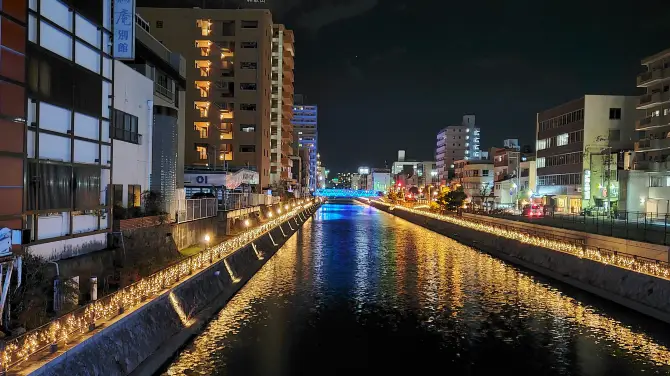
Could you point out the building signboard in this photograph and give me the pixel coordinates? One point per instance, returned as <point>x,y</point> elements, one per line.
<point>124,29</point>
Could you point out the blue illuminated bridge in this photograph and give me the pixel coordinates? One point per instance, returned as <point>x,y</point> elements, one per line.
<point>345,193</point>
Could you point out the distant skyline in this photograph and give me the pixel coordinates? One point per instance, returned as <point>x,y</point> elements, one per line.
<point>387,75</point>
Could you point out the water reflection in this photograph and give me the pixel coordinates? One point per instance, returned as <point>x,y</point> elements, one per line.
<point>358,291</point>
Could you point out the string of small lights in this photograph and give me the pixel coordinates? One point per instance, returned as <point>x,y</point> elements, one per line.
<point>67,327</point>
<point>626,261</point>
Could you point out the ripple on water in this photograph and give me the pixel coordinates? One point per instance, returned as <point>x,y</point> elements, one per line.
<point>372,291</point>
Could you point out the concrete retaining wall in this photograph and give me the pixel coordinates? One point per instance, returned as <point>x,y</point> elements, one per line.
<point>140,342</point>
<point>632,247</point>
<point>646,294</point>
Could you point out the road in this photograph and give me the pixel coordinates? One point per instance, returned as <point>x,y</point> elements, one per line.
<point>360,292</point>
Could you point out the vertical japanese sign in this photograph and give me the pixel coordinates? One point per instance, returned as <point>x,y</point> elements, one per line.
<point>124,29</point>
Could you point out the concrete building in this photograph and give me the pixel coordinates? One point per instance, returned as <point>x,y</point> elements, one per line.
<point>228,83</point>
<point>454,143</point>
<point>373,179</point>
<point>132,135</point>
<point>575,142</point>
<point>305,133</point>
<point>167,71</point>
<point>475,176</point>
<point>281,135</point>
<point>646,188</point>
<point>55,98</point>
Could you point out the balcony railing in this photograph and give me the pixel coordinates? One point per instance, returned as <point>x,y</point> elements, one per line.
<point>191,210</point>
<point>127,136</point>
<point>652,144</point>
<point>654,99</point>
<point>162,90</point>
<point>649,78</point>
<point>652,122</point>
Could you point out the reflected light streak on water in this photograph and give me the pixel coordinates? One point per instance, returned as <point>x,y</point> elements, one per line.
<point>358,291</point>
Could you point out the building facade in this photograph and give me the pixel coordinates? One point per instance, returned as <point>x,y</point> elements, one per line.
<point>454,143</point>
<point>305,133</point>
<point>475,176</point>
<point>56,75</point>
<point>132,135</point>
<point>646,188</point>
<point>281,136</point>
<point>228,90</point>
<point>575,142</point>
<point>167,71</point>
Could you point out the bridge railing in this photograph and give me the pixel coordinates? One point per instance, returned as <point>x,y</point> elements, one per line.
<point>345,193</point>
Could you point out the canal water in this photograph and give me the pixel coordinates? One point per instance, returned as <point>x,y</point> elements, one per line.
<point>360,292</point>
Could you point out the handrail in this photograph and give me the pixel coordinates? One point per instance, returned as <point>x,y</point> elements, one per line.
<point>83,319</point>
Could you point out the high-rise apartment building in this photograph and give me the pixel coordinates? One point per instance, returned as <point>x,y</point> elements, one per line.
<point>228,84</point>
<point>281,135</point>
<point>305,133</point>
<point>647,187</point>
<point>456,142</point>
<point>55,112</point>
<point>575,144</point>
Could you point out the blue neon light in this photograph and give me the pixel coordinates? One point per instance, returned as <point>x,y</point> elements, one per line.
<point>344,193</point>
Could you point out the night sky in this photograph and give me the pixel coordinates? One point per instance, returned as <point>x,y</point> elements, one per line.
<point>388,74</point>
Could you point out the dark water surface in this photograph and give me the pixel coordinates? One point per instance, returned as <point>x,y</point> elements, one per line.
<point>360,292</point>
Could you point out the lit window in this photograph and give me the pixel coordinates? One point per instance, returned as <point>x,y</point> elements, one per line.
<point>540,162</point>
<point>562,139</point>
<point>202,152</point>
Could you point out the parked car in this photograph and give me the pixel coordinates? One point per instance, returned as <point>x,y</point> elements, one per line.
<point>533,210</point>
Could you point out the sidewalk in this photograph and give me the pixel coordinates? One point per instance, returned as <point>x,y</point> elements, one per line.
<point>651,231</point>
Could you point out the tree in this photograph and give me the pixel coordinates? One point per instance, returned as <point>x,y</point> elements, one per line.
<point>414,191</point>
<point>392,196</point>
<point>456,198</point>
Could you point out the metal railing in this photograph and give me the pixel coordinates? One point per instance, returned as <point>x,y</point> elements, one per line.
<point>90,316</point>
<point>194,209</point>
<point>575,247</point>
<point>638,226</point>
<point>236,201</point>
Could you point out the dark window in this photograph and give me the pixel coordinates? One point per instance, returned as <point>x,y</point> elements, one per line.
<point>159,24</point>
<point>248,86</point>
<point>274,116</point>
<point>117,194</point>
<point>50,186</point>
<point>247,148</point>
<point>86,187</point>
<point>228,28</point>
<point>134,196</point>
<point>275,62</point>
<point>249,24</point>
<point>614,135</point>
<point>247,107</point>
<point>249,45</point>
<point>248,65</point>
<point>615,113</point>
<point>124,127</point>
<point>248,127</point>
<point>90,9</point>
<point>227,89</point>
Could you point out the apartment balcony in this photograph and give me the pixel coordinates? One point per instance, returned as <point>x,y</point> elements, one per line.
<point>653,144</point>
<point>286,150</point>
<point>441,149</point>
<point>652,166</point>
<point>651,78</point>
<point>441,142</point>
<point>652,100</point>
<point>288,75</point>
<point>652,122</point>
<point>285,161</point>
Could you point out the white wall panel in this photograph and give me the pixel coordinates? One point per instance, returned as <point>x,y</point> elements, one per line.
<point>57,12</point>
<point>30,144</point>
<point>53,226</point>
<point>55,40</point>
<point>105,180</point>
<point>85,152</point>
<point>106,100</point>
<point>84,223</point>
<point>106,158</point>
<point>69,247</point>
<point>87,31</point>
<point>86,126</point>
<point>87,57</point>
<point>32,29</point>
<point>54,118</point>
<point>107,14</point>
<point>107,42</point>
<point>54,147</point>
<point>107,67</point>
<point>105,132</point>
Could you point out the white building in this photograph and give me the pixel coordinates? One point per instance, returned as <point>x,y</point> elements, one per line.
<point>132,134</point>
<point>574,141</point>
<point>456,142</point>
<point>476,179</point>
